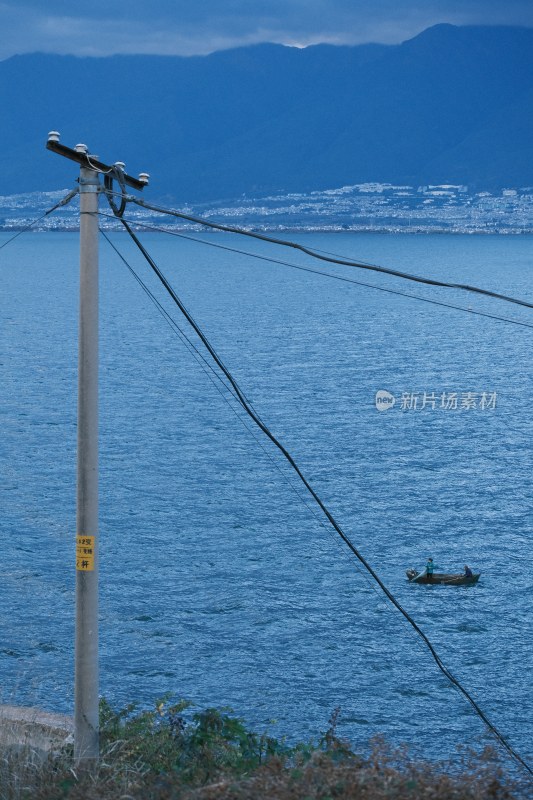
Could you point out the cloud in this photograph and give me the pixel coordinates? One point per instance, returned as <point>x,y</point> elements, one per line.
<point>181,27</point>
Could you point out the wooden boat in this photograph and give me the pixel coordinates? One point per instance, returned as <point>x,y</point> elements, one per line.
<point>443,578</point>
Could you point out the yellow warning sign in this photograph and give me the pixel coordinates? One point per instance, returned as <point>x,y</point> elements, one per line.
<point>85,553</point>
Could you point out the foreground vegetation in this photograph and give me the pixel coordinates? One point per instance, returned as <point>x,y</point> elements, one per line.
<point>209,755</point>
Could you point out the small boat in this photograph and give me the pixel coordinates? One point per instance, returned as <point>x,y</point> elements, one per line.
<point>443,578</point>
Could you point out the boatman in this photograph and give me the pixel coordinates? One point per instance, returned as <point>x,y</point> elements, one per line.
<point>468,571</point>
<point>429,569</point>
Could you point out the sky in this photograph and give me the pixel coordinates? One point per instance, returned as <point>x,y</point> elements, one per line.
<point>198,27</point>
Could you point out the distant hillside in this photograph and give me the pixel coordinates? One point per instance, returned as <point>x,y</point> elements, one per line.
<point>451,105</point>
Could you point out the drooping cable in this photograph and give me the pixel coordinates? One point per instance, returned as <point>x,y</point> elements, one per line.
<point>343,278</point>
<point>330,259</point>
<point>249,410</point>
<point>329,516</point>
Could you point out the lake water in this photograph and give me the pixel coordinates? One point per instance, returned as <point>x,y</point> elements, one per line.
<point>218,583</point>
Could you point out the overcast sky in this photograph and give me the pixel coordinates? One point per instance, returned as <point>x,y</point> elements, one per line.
<point>187,27</point>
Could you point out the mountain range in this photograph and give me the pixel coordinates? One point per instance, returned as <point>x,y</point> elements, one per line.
<point>451,105</point>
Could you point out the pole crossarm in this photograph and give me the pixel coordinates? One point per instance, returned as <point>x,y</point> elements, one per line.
<point>84,159</point>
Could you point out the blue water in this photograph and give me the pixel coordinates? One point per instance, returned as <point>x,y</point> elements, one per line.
<point>218,584</point>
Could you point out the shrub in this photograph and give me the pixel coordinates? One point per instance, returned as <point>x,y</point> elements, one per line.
<point>174,753</point>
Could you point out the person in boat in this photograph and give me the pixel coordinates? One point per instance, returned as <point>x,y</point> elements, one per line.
<point>467,572</point>
<point>429,569</point>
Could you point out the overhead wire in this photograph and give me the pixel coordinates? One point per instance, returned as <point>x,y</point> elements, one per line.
<point>333,276</point>
<point>330,259</point>
<point>329,516</point>
<point>63,202</point>
<point>313,493</point>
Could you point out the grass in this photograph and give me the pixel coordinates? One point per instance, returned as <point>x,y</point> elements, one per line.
<point>166,754</point>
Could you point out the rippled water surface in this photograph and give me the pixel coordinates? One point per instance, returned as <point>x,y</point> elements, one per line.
<point>218,583</point>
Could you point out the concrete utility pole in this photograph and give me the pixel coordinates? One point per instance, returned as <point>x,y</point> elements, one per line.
<point>86,696</point>
<point>86,699</point>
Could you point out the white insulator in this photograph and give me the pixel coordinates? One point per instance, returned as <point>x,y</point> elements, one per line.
<point>81,148</point>
<point>121,165</point>
<point>144,177</point>
<point>53,136</point>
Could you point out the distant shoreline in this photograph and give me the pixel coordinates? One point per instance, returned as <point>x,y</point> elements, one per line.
<point>362,208</point>
<point>418,231</point>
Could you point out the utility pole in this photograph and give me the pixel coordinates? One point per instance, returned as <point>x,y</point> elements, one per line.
<point>86,694</point>
<point>86,699</point>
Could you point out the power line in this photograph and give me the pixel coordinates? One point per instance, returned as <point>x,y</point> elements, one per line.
<point>63,202</point>
<point>293,464</point>
<point>245,405</point>
<point>333,260</point>
<point>214,376</point>
<point>331,275</point>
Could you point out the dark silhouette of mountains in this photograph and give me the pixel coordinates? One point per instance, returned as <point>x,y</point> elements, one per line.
<point>452,105</point>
